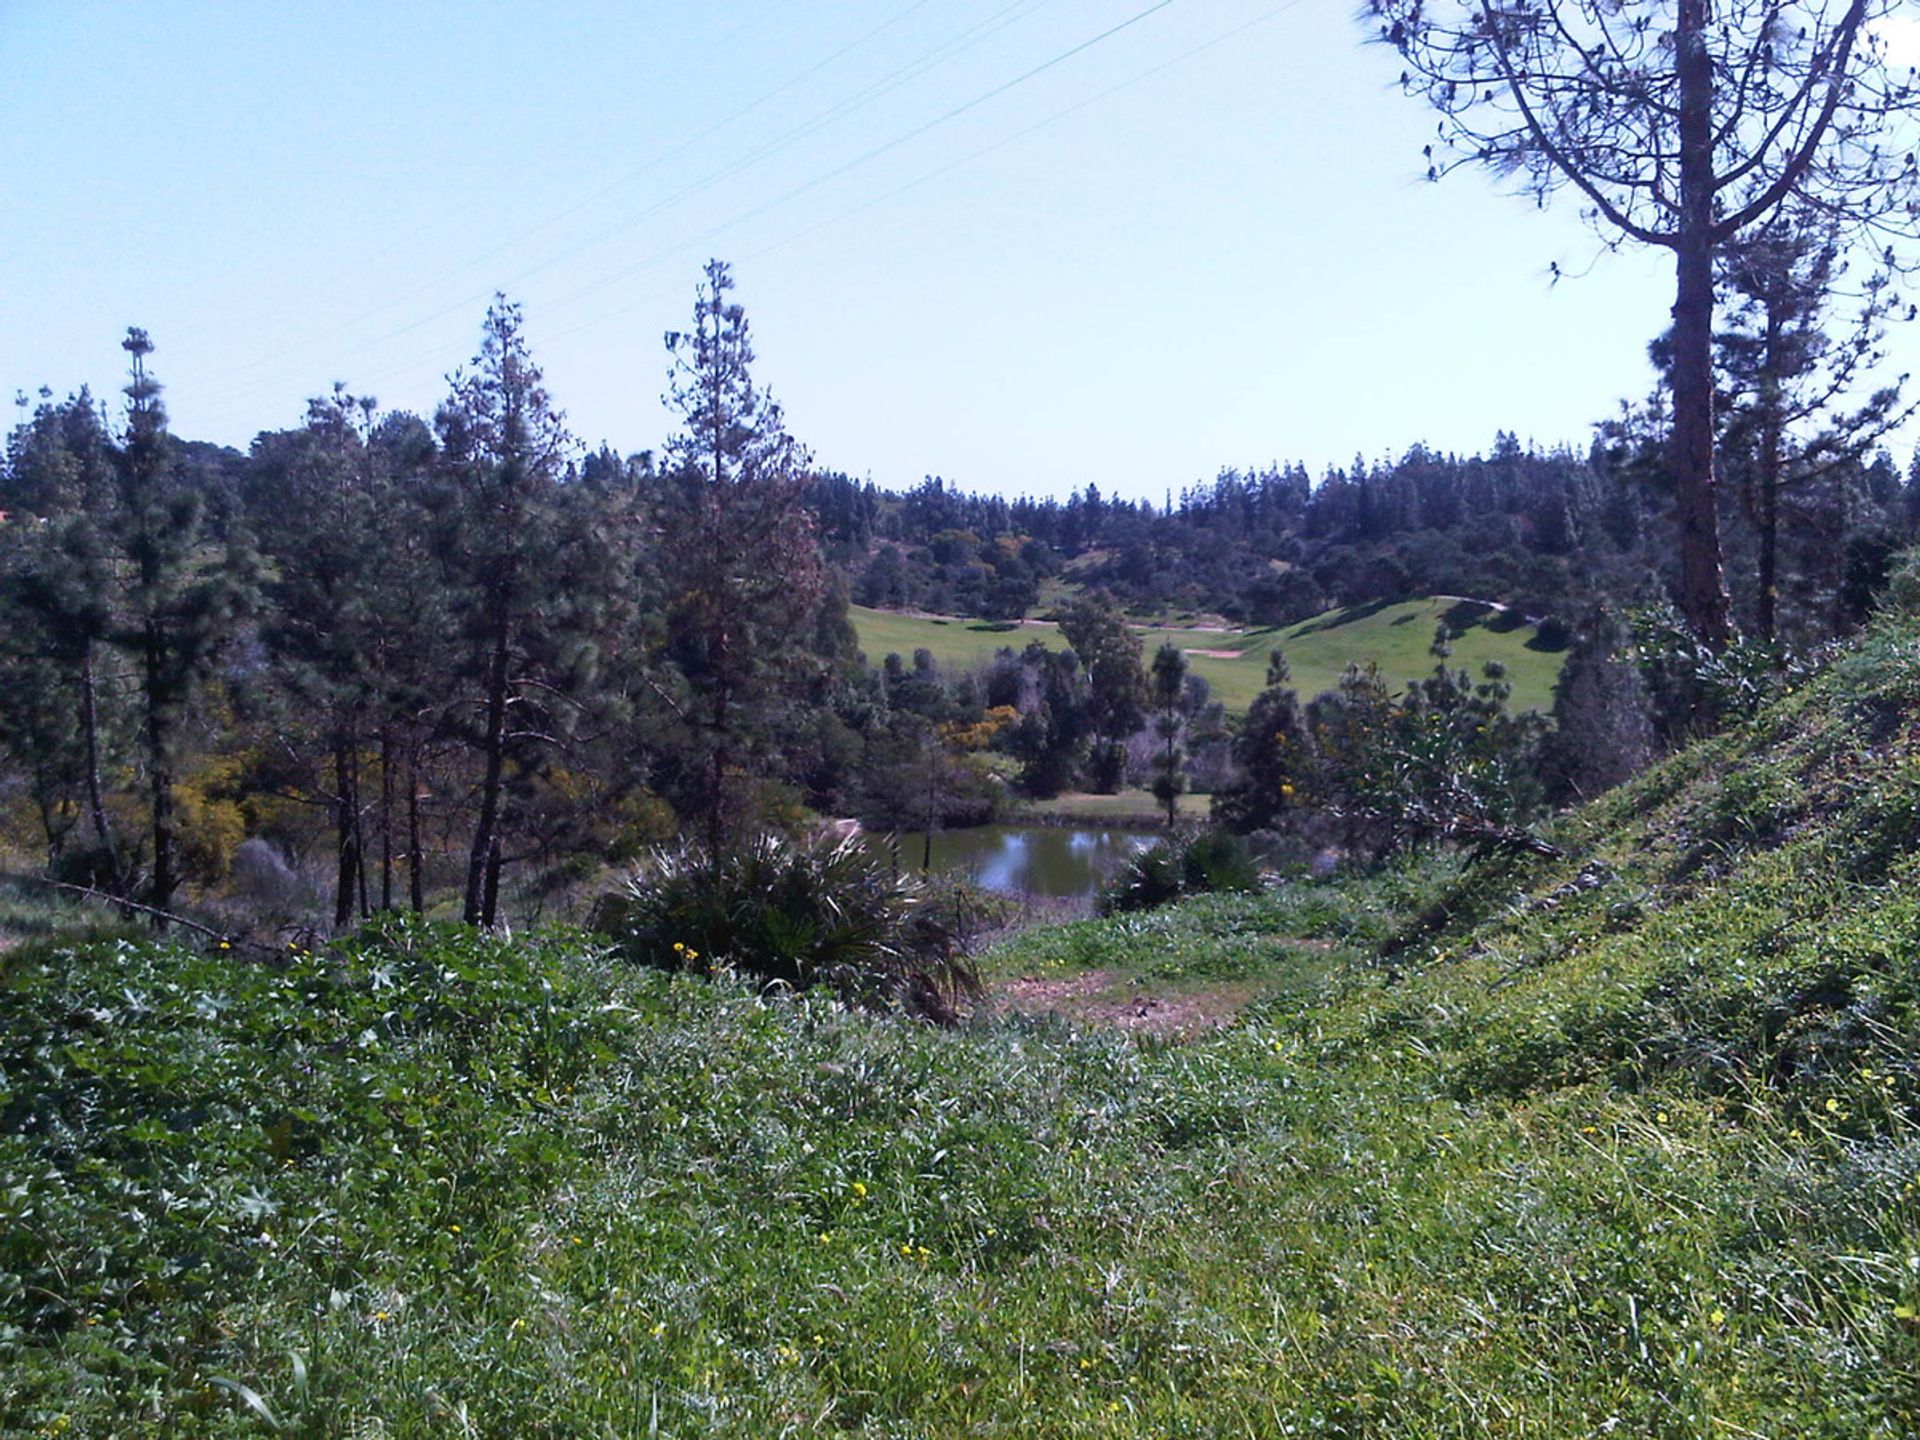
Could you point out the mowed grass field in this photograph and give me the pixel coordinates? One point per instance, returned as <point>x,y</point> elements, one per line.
<point>1395,637</point>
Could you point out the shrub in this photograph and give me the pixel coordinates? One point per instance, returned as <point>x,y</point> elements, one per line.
<point>792,913</point>
<point>1192,864</point>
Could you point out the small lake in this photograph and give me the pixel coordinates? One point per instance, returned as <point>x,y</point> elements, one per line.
<point>1050,861</point>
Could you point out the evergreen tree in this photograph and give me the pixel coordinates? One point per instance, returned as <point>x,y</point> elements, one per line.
<point>57,589</point>
<point>184,600</point>
<point>1169,686</point>
<point>741,568</point>
<point>1603,732</point>
<point>1274,755</point>
<point>341,609</point>
<point>1784,376</point>
<point>503,449</point>
<point>1685,125</point>
<point>1110,653</point>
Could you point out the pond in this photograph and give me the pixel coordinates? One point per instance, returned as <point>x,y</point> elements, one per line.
<point>1050,861</point>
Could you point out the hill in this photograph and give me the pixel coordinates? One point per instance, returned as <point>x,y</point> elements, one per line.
<point>1619,1142</point>
<point>1397,637</point>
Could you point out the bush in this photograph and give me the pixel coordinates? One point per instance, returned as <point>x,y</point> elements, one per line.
<point>791,913</point>
<point>1192,864</point>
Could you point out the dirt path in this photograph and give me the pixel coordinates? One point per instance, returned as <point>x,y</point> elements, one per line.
<point>1101,997</point>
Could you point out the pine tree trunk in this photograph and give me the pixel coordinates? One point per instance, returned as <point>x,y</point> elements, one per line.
<point>490,911</point>
<point>1703,590</point>
<point>90,732</point>
<point>344,805</point>
<point>386,816</point>
<point>1767,516</point>
<point>484,835</point>
<point>416,859</point>
<point>359,827</point>
<point>718,825</point>
<point>160,774</point>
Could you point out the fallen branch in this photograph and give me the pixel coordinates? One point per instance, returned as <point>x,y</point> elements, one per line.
<point>167,915</point>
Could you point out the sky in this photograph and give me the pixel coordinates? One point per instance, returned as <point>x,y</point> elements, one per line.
<point>1026,245</point>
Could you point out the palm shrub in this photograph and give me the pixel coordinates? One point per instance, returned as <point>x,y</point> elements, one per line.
<point>794,914</point>
<point>1195,863</point>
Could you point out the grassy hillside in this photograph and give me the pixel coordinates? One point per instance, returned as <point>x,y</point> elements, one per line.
<point>1397,637</point>
<point>1619,1143</point>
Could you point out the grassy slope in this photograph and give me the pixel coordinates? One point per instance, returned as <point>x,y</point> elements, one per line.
<point>1620,1143</point>
<point>1132,806</point>
<point>1397,637</point>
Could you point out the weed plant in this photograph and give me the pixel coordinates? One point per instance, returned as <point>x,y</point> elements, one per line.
<point>793,914</point>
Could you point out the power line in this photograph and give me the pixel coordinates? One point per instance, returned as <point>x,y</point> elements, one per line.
<point>725,172</point>
<point>395,245</point>
<point>615,186</point>
<point>967,159</point>
<point>921,63</point>
<point>874,153</point>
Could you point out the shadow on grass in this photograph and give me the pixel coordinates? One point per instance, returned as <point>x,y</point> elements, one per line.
<point>1333,620</point>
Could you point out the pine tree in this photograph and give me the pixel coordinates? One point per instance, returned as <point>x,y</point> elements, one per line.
<point>57,593</point>
<point>1169,686</point>
<point>741,568</point>
<point>184,602</point>
<point>1685,125</point>
<point>504,448</point>
<point>1110,653</point>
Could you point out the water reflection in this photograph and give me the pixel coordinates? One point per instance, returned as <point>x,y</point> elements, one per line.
<point>1053,862</point>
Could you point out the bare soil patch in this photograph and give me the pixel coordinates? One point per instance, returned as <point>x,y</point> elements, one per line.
<point>1101,997</point>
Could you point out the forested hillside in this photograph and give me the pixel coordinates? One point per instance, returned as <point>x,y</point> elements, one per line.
<point>1618,1140</point>
<point>379,661</point>
<point>1547,532</point>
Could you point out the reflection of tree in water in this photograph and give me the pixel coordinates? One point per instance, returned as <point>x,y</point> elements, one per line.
<point>1049,862</point>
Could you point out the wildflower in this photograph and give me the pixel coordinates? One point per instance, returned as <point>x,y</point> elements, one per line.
<point>819,1340</point>
<point>1833,1107</point>
<point>455,1229</point>
<point>1903,1312</point>
<point>225,946</point>
<point>1719,1316</point>
<point>381,1315</point>
<point>859,1190</point>
<point>658,1330</point>
<point>1661,1118</point>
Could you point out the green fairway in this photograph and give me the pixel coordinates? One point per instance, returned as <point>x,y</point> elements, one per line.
<point>1126,807</point>
<point>1395,637</point>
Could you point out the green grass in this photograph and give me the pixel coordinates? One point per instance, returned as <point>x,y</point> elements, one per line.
<point>1618,1143</point>
<point>1396,637</point>
<point>31,911</point>
<point>1132,806</point>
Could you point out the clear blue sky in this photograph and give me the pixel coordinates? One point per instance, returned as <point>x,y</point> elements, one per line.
<point>1199,241</point>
